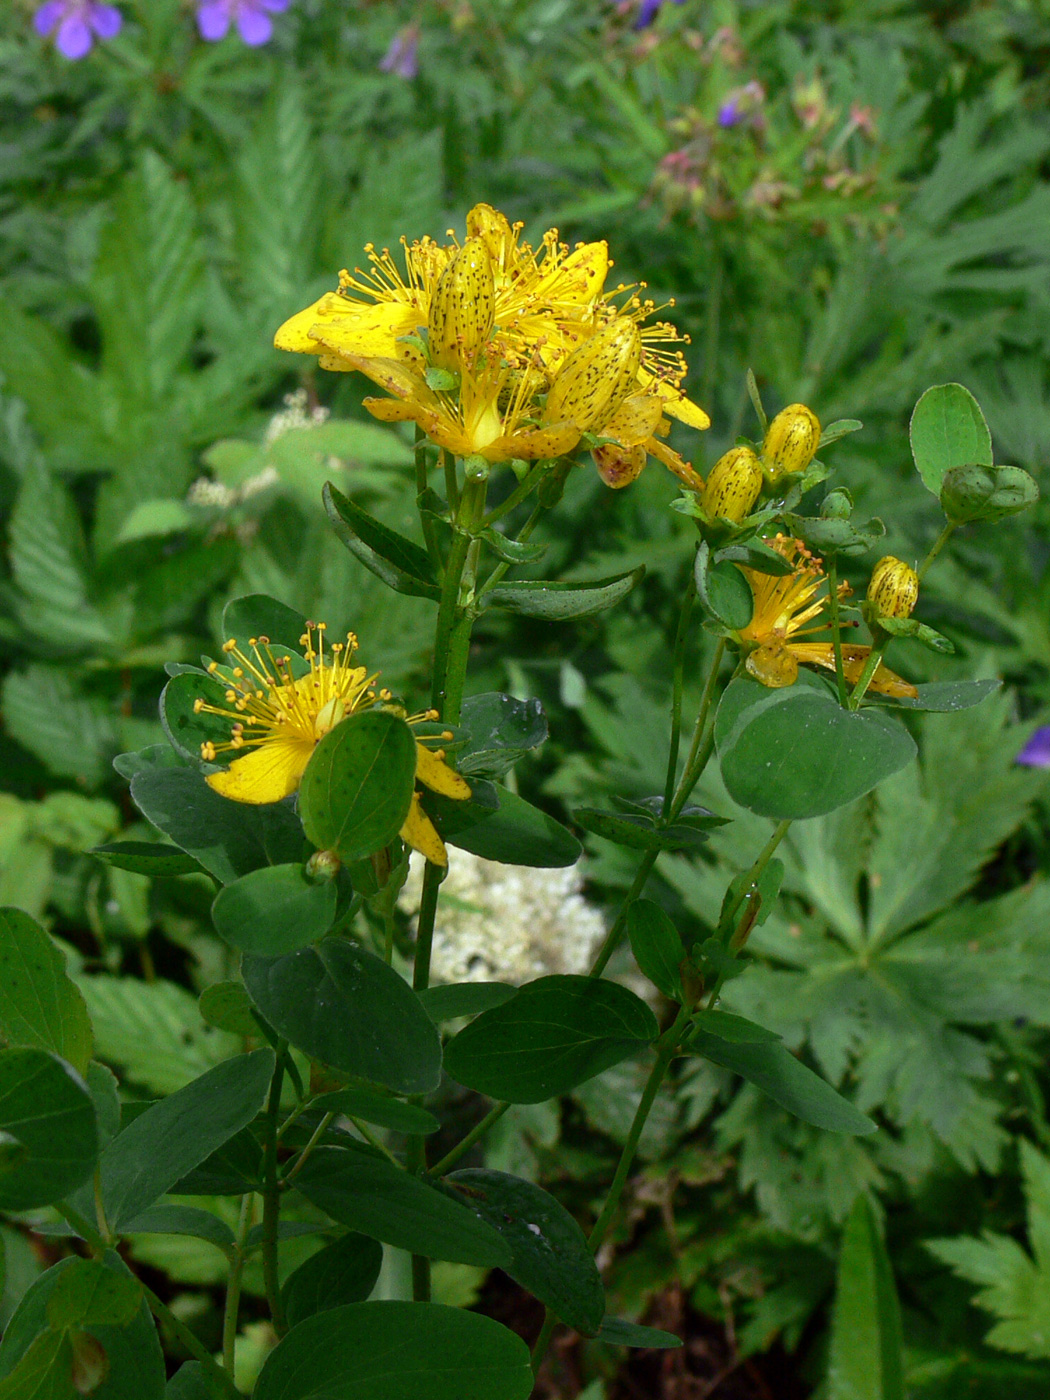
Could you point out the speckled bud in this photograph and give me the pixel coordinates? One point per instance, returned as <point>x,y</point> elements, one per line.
<point>894,588</point>
<point>597,377</point>
<point>462,308</point>
<point>733,485</point>
<point>619,466</point>
<point>495,232</point>
<point>791,440</point>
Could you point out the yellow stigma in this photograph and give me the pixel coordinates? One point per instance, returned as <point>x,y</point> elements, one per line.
<point>894,587</point>
<point>733,485</point>
<point>791,440</point>
<point>463,307</point>
<point>597,376</point>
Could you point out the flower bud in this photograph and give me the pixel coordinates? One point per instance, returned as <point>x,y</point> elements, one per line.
<point>836,505</point>
<point>733,485</point>
<point>894,588</point>
<point>791,440</point>
<point>323,866</point>
<point>495,232</point>
<point>462,308</point>
<point>597,376</point>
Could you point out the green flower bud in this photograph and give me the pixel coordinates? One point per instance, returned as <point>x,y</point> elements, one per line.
<point>791,440</point>
<point>733,485</point>
<point>837,505</point>
<point>323,866</point>
<point>986,493</point>
<point>894,588</point>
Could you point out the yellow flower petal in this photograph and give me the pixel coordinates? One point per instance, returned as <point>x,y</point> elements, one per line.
<point>884,681</point>
<point>634,421</point>
<point>266,774</point>
<point>773,664</point>
<point>552,440</point>
<point>674,401</point>
<point>348,327</point>
<point>420,833</point>
<point>619,466</point>
<point>438,776</point>
<point>671,460</point>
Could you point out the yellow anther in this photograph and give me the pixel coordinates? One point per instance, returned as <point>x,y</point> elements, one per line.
<point>198,705</point>
<point>231,645</point>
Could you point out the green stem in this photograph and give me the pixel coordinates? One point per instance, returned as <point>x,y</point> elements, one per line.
<point>272,1200</point>
<point>938,544</point>
<point>500,569</point>
<point>193,1345</point>
<point>677,686</point>
<point>836,628</point>
<point>751,879</point>
<point>615,934</point>
<point>526,486</point>
<point>461,1148</point>
<point>427,523</point>
<point>231,1313</point>
<point>83,1226</point>
<point>667,1047</point>
<point>882,641</point>
<point>448,464</point>
<point>307,1152</point>
<point>375,1142</point>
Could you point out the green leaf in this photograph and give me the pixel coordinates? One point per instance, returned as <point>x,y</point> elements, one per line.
<point>365,1192</point>
<point>176,1134</point>
<point>795,753</point>
<point>756,555</point>
<point>342,1272</point>
<point>148,858</point>
<point>865,1360</point>
<point>383,1111</point>
<point>638,832</point>
<point>516,833</point>
<point>343,1005</point>
<point>619,1333</point>
<point>560,602</point>
<point>88,1294</point>
<point>47,1109</point>
<point>556,1033</point>
<point>136,1363</point>
<point>464,999</point>
<point>942,696</point>
<point>657,947</point>
<point>736,1029</point>
<point>228,1007</point>
<point>500,730</point>
<point>230,839</point>
<point>40,1006</point>
<point>358,785</point>
<point>147,760</point>
<point>44,1371</point>
<point>187,730</point>
<point>258,615</point>
<point>512,551</point>
<point>189,1383</point>
<point>839,429</point>
<point>73,733</point>
<point>181,1220</point>
<point>551,1257</point>
<point>723,589</point>
<point>161,516</point>
<point>397,561</point>
<point>275,910</point>
<point>359,1352</point>
<point>948,430</point>
<point>774,1070</point>
<point>231,1170</point>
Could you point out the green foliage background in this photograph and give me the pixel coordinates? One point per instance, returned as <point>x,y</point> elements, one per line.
<point>165,204</point>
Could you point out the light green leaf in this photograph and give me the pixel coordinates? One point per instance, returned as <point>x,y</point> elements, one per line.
<point>39,1005</point>
<point>948,430</point>
<point>865,1360</point>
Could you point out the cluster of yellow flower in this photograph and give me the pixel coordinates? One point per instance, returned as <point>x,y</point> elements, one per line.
<point>500,351</point>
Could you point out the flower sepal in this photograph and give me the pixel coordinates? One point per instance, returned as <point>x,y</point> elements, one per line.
<point>835,535</point>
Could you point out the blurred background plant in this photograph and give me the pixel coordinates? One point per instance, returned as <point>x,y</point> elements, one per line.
<point>852,201</point>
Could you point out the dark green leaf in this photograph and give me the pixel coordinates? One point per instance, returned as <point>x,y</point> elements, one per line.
<point>556,1033</point>
<point>40,1006</point>
<point>551,1256</point>
<point>342,1272</point>
<point>148,858</point>
<point>379,1109</point>
<point>638,832</point>
<point>559,602</point>
<point>346,1007</point>
<point>401,564</point>
<point>181,1220</point>
<point>657,947</point>
<point>231,1170</point>
<point>178,1133</point>
<point>516,833</point>
<point>499,730</point>
<point>948,430</point>
<point>796,753</point>
<point>464,999</point>
<point>723,590</point>
<point>189,1383</point>
<point>367,1193</point>
<point>756,555</point>
<point>228,1007</point>
<point>774,1070</point>
<point>146,760</point>
<point>839,429</point>
<point>943,696</point>
<point>362,1352</point>
<point>865,1360</point>
<point>257,615</point>
<point>618,1333</point>
<point>738,1030</point>
<point>274,910</point>
<point>358,785</point>
<point>47,1109</point>
<point>987,493</point>
<point>187,730</point>
<point>89,1294</point>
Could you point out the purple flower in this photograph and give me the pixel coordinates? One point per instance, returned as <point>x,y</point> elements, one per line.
<point>254,24</point>
<point>76,24</point>
<point>1036,753</point>
<point>648,11</point>
<point>729,113</point>
<point>402,57</point>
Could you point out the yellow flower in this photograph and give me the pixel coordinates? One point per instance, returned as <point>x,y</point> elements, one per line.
<point>784,605</point>
<point>279,719</point>
<point>893,588</point>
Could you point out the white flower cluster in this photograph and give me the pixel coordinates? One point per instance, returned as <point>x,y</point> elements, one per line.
<point>295,416</point>
<point>506,923</point>
<point>205,492</point>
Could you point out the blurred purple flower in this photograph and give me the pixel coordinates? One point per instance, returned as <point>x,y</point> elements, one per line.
<point>402,57</point>
<point>1036,753</point>
<point>729,113</point>
<point>648,11</point>
<point>76,24</point>
<point>254,24</point>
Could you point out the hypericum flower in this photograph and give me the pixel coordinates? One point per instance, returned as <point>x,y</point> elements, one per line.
<point>278,719</point>
<point>784,605</point>
<point>791,440</point>
<point>252,18</point>
<point>76,24</point>
<point>733,485</point>
<point>402,57</point>
<point>1036,753</point>
<point>893,588</point>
